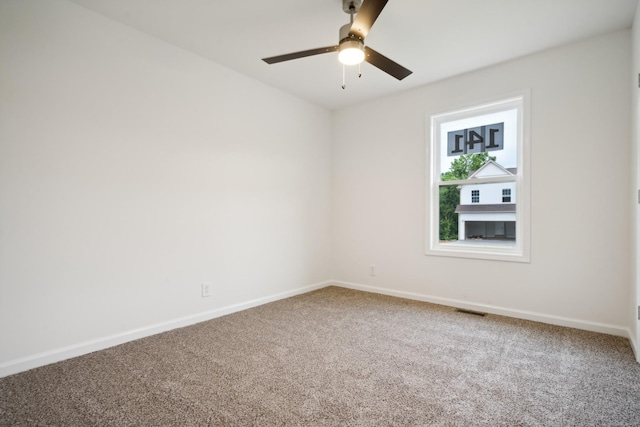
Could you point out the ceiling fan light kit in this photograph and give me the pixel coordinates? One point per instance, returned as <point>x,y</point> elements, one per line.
<point>351,52</point>
<point>351,48</point>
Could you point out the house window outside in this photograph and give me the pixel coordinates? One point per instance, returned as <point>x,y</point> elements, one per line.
<point>506,195</point>
<point>473,149</point>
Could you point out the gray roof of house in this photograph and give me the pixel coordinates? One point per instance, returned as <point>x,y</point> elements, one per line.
<point>502,208</point>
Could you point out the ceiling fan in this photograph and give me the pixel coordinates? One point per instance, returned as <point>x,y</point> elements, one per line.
<point>351,48</point>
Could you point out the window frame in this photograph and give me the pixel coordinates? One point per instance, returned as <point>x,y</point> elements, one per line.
<point>521,251</point>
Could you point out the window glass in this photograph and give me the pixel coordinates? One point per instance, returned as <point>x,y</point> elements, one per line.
<point>477,182</point>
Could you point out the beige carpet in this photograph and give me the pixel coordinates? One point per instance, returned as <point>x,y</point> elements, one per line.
<point>338,357</point>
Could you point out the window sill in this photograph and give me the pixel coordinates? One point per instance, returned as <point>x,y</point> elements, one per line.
<point>480,250</point>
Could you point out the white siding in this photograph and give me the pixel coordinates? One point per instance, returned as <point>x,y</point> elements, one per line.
<point>501,216</point>
<point>489,193</point>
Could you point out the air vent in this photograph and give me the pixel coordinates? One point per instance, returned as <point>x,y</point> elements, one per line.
<point>475,313</point>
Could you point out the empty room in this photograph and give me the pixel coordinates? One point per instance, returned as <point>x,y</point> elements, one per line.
<point>327,212</point>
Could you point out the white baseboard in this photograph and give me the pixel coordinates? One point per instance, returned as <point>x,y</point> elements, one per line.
<point>33,361</point>
<point>502,311</point>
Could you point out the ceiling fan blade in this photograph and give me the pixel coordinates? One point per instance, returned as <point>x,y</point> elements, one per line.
<point>301,54</point>
<point>385,64</point>
<point>367,15</point>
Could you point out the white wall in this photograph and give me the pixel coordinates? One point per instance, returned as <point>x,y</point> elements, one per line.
<point>131,171</point>
<point>635,195</point>
<point>580,125</point>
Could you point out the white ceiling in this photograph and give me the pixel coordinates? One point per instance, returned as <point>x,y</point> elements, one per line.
<point>433,38</point>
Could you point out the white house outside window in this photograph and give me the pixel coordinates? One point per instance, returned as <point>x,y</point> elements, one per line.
<point>478,202</point>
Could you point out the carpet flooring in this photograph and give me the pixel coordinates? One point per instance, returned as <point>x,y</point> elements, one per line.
<point>339,357</point>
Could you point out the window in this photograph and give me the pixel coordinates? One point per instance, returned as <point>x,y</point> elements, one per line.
<point>506,195</point>
<point>473,149</point>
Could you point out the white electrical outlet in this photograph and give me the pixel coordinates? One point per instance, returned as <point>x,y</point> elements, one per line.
<point>206,289</point>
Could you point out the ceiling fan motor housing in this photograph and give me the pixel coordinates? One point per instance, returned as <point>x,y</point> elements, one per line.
<point>344,34</point>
